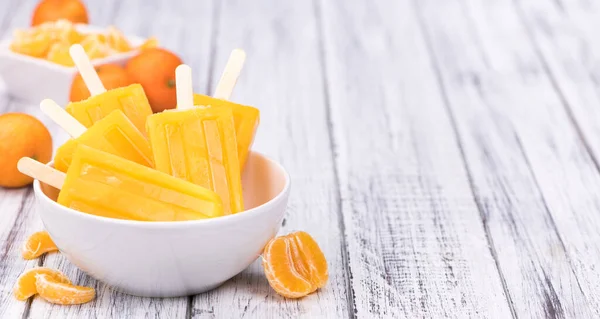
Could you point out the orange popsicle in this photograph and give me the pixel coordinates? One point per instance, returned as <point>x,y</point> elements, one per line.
<point>131,99</point>
<point>245,118</point>
<point>198,145</point>
<point>104,184</point>
<point>114,134</point>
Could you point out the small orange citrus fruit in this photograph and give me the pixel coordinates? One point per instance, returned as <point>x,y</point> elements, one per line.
<point>61,293</point>
<point>38,244</point>
<point>21,135</point>
<point>52,10</point>
<point>112,76</point>
<point>295,265</point>
<point>154,69</point>
<point>25,286</point>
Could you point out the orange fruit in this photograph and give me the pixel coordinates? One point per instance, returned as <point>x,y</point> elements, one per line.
<point>112,76</point>
<point>52,10</point>
<point>38,244</point>
<point>154,69</point>
<point>25,286</point>
<point>294,265</point>
<point>21,135</point>
<point>58,292</point>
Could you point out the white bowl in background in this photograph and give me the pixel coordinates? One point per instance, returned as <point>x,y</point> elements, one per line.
<point>34,79</point>
<point>168,259</point>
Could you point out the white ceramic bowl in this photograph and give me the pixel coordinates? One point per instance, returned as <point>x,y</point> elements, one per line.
<point>167,259</point>
<point>33,79</point>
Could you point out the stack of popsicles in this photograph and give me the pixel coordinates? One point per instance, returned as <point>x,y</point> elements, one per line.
<point>125,162</point>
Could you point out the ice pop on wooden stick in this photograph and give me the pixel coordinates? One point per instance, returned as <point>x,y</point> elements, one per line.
<point>246,118</point>
<point>131,99</point>
<point>198,144</point>
<point>103,184</point>
<point>114,134</point>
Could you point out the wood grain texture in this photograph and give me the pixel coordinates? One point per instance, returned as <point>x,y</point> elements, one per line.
<point>494,87</point>
<point>283,78</point>
<point>416,243</point>
<point>565,41</point>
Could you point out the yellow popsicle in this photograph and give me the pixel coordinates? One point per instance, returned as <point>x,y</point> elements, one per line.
<point>114,134</point>
<point>104,184</point>
<point>245,118</point>
<point>199,145</point>
<point>131,100</point>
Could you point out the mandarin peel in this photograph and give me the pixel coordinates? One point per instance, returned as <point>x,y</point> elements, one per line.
<point>38,244</point>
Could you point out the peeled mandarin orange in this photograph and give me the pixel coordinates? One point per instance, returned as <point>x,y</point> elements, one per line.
<point>294,265</point>
<point>38,244</point>
<point>35,44</point>
<point>95,46</point>
<point>26,284</point>
<point>59,54</point>
<point>58,292</point>
<point>149,44</point>
<point>116,40</point>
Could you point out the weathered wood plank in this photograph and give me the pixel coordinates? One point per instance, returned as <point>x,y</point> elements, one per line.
<point>416,243</point>
<point>162,19</point>
<point>565,40</point>
<point>490,74</point>
<point>283,79</point>
<point>18,220</point>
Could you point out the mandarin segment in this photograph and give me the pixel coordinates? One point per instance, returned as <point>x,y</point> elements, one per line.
<point>26,284</point>
<point>38,244</point>
<point>116,40</point>
<point>61,293</point>
<point>294,265</point>
<point>51,41</point>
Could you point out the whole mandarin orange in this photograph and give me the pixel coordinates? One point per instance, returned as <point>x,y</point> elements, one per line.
<point>52,10</point>
<point>21,135</point>
<point>112,76</point>
<point>154,69</point>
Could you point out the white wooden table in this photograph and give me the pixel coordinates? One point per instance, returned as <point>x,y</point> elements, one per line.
<point>444,153</point>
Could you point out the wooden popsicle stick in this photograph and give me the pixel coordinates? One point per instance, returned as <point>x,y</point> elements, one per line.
<point>61,117</point>
<point>183,87</point>
<point>231,74</point>
<point>86,69</point>
<point>41,172</point>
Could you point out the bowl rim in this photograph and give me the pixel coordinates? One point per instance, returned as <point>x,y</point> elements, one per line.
<point>84,28</point>
<point>209,222</point>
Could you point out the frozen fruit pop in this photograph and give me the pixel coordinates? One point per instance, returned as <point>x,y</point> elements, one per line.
<point>198,145</point>
<point>131,99</point>
<point>245,118</point>
<point>114,134</point>
<point>106,185</point>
